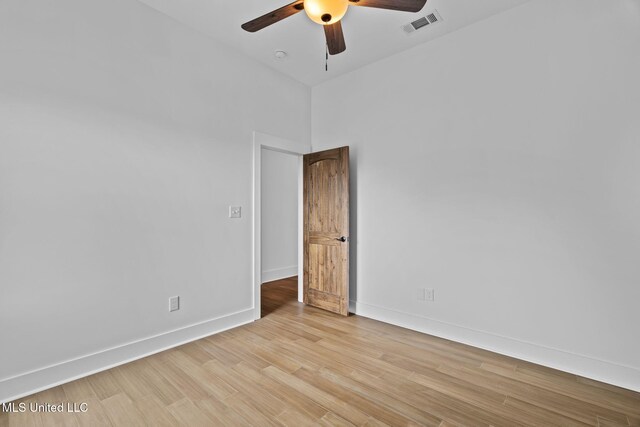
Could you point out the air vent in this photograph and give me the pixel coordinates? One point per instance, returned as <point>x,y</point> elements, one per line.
<point>425,21</point>
<point>420,23</point>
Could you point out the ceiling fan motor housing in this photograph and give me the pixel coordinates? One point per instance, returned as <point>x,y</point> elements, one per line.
<point>325,12</point>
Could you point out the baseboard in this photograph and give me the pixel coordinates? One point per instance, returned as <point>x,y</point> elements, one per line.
<point>51,376</point>
<point>600,370</point>
<point>279,273</point>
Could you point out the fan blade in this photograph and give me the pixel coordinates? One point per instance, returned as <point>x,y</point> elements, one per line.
<point>401,5</point>
<point>273,16</point>
<point>335,38</point>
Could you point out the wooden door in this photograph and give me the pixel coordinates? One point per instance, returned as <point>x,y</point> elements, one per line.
<point>326,230</point>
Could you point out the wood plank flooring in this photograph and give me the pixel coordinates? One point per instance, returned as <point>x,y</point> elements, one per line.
<point>301,366</point>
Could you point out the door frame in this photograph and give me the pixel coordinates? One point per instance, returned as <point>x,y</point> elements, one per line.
<point>270,142</point>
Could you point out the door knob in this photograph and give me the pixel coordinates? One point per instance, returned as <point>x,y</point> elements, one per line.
<point>342,239</point>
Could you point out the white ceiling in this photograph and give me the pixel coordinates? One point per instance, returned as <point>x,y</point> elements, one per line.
<point>371,34</point>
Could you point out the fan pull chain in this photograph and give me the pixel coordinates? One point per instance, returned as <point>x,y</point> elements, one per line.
<point>326,58</point>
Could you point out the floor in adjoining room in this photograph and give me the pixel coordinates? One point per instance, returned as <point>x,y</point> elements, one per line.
<point>303,366</point>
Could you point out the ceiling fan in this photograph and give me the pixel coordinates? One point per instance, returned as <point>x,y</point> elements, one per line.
<point>328,13</point>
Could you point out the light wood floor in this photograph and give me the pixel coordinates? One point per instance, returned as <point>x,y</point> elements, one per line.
<point>301,366</point>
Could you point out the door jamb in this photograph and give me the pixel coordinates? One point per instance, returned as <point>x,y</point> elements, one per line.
<point>260,141</point>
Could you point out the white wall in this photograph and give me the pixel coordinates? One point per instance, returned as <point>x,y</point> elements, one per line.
<point>279,229</point>
<point>498,165</point>
<point>124,137</point>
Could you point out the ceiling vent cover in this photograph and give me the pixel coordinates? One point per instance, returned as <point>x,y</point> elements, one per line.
<point>429,19</point>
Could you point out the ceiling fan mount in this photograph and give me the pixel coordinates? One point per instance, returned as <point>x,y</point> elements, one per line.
<point>329,13</point>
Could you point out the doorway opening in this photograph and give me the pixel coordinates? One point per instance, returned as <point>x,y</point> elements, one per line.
<point>277,228</point>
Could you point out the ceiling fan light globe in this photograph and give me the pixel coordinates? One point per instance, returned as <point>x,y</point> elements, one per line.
<point>317,9</point>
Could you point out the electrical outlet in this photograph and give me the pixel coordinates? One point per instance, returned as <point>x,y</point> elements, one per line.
<point>174,304</point>
<point>429,295</point>
<point>235,211</point>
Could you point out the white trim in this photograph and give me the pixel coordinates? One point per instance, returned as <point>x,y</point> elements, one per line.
<point>279,273</point>
<point>585,366</point>
<point>260,141</point>
<point>41,379</point>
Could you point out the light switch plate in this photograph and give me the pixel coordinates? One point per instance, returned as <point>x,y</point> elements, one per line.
<point>235,211</point>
